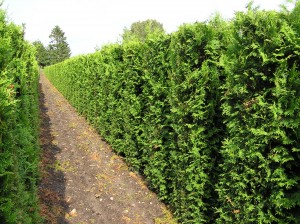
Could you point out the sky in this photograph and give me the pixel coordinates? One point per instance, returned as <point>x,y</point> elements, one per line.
<point>93,23</point>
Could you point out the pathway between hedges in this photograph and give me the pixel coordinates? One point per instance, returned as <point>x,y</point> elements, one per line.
<point>83,181</point>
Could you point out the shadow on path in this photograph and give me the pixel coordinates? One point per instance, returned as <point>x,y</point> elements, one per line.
<point>52,185</point>
<point>83,180</point>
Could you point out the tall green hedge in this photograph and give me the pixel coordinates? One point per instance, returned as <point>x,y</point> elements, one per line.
<point>19,149</point>
<point>209,114</point>
<point>260,173</point>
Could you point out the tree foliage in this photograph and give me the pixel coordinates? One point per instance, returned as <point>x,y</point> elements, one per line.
<point>140,31</point>
<point>58,48</point>
<point>42,55</point>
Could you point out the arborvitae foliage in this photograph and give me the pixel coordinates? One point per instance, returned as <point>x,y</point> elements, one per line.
<point>209,114</point>
<point>158,104</point>
<point>19,150</point>
<point>260,174</point>
<point>294,17</point>
<point>197,121</point>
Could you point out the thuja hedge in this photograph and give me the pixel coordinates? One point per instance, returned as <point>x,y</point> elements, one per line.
<point>259,179</point>
<point>209,114</point>
<point>19,150</point>
<point>131,94</point>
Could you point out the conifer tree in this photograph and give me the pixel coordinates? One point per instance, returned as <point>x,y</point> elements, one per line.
<point>59,49</point>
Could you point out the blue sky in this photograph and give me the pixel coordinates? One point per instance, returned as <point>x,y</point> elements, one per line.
<point>91,23</point>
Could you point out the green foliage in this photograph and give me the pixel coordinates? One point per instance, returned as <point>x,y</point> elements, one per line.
<point>158,104</point>
<point>19,149</point>
<point>294,17</point>
<point>42,55</point>
<point>259,179</point>
<point>58,49</point>
<point>209,114</point>
<point>140,31</point>
<point>196,118</point>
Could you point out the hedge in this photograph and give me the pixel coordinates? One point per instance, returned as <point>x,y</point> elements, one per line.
<point>260,172</point>
<point>209,114</point>
<point>19,147</point>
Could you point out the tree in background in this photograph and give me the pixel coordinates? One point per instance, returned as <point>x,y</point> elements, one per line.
<point>140,31</point>
<point>58,48</point>
<point>41,53</point>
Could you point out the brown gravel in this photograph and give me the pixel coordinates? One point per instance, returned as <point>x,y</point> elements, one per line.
<point>83,181</point>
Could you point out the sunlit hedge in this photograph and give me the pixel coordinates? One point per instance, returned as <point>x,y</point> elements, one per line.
<point>261,103</point>
<point>209,114</point>
<point>19,150</point>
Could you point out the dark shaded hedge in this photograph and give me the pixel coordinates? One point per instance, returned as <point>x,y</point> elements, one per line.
<point>209,114</point>
<point>19,148</point>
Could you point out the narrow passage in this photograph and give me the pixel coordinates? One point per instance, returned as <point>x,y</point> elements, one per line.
<point>83,181</point>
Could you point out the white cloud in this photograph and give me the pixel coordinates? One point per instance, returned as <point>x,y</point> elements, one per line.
<point>96,22</point>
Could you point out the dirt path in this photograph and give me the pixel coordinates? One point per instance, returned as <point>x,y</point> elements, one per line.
<point>83,181</point>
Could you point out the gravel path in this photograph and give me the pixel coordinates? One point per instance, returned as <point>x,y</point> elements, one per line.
<point>83,181</point>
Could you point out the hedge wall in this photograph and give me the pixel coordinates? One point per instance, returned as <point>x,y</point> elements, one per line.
<point>19,149</point>
<point>209,114</point>
<point>261,103</point>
